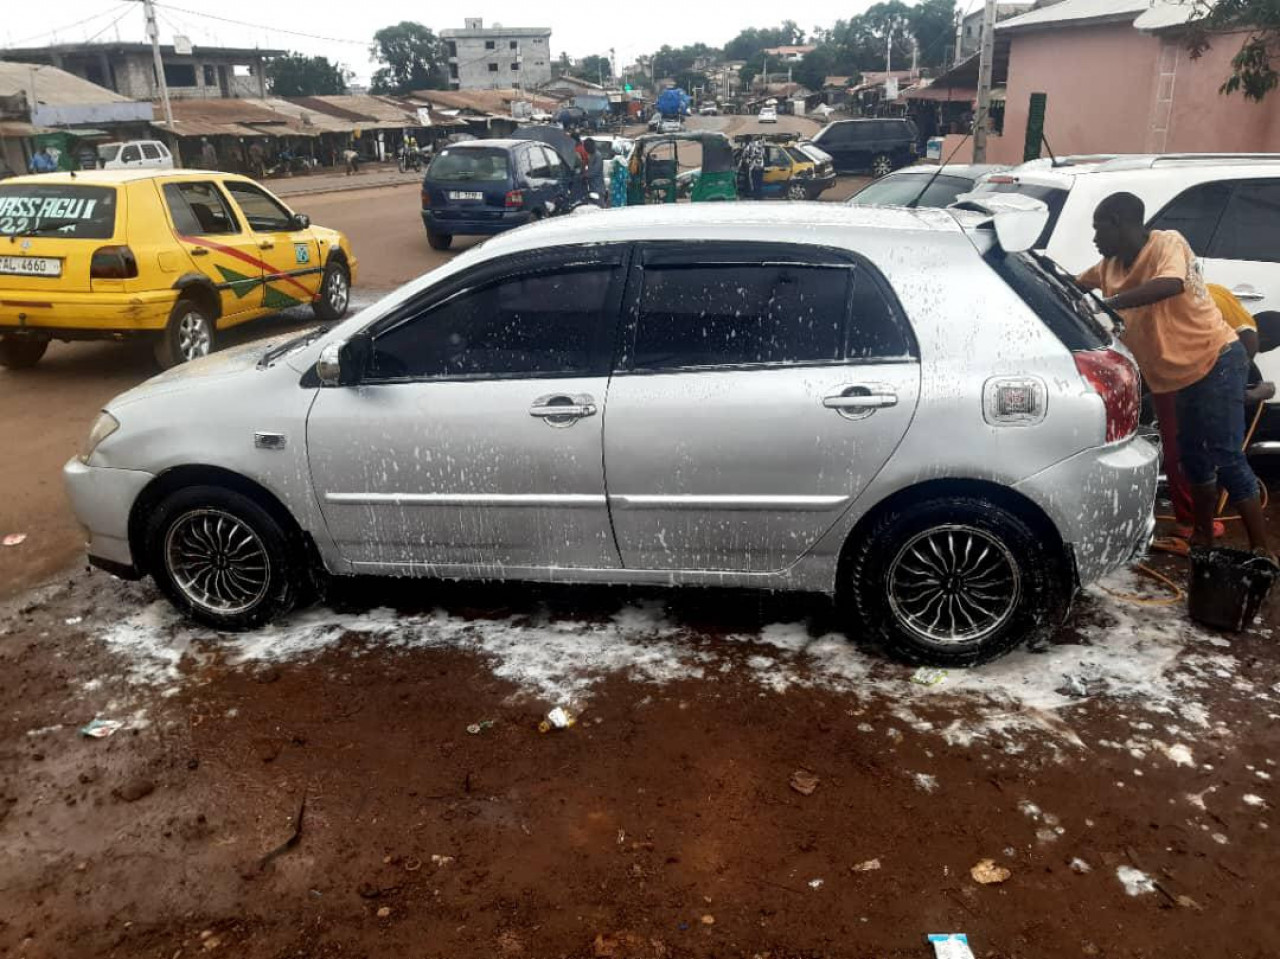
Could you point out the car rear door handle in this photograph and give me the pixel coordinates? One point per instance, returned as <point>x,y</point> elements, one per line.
<point>266,245</point>
<point>859,398</point>
<point>1244,292</point>
<point>562,407</point>
<point>199,251</point>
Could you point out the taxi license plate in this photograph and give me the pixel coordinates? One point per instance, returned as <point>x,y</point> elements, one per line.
<point>465,195</point>
<point>30,266</point>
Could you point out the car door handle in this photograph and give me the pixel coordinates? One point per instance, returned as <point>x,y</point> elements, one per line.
<point>563,407</point>
<point>859,398</point>
<point>266,245</point>
<point>199,251</point>
<point>1247,293</point>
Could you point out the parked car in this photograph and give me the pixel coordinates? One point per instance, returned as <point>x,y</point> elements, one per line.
<point>790,171</point>
<point>1226,205</point>
<point>483,187</point>
<point>781,400</point>
<point>767,115</point>
<point>135,155</point>
<point>875,146</point>
<point>708,110</point>
<point>671,125</point>
<point>175,256</point>
<point>924,186</point>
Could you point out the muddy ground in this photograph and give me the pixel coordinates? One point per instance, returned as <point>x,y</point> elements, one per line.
<point>313,789</point>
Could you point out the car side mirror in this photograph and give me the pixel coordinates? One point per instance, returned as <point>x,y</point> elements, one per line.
<point>299,221</point>
<point>343,363</point>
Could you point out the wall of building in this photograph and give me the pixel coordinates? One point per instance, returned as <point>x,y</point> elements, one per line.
<point>135,77</point>
<point>479,68</point>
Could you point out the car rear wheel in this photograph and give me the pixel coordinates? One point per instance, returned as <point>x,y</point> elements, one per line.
<point>439,241</point>
<point>21,354</point>
<point>881,164</point>
<point>187,336</point>
<point>954,581</point>
<point>222,559</point>
<point>335,293</point>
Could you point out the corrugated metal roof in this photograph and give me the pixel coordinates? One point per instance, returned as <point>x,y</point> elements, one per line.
<point>1075,12</point>
<point>52,86</point>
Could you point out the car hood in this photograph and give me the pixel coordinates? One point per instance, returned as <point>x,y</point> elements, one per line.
<point>238,361</point>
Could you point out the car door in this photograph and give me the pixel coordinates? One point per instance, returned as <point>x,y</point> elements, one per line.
<point>218,244</point>
<point>760,388</point>
<point>1234,227</point>
<point>290,257</point>
<point>777,170</point>
<point>474,439</point>
<point>541,183</point>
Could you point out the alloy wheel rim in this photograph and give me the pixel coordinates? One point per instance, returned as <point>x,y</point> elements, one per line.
<point>217,561</point>
<point>880,168</point>
<point>954,584</point>
<point>795,192</point>
<point>338,291</point>
<point>193,336</point>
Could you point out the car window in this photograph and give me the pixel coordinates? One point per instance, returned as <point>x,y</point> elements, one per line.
<point>903,188</point>
<point>150,152</point>
<point>834,134</point>
<point>530,325</point>
<point>536,157</point>
<point>776,156</point>
<point>739,314</point>
<point>798,155</point>
<point>108,152</point>
<point>1195,214</point>
<point>199,209</point>
<point>1250,227</point>
<point>875,330</point>
<point>469,165</point>
<point>555,166</point>
<point>264,214</point>
<point>131,154</point>
<point>63,210</point>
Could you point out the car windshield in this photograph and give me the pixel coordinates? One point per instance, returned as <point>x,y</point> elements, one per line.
<point>70,210</point>
<point>798,155</point>
<point>107,152</point>
<point>903,190</point>
<point>471,165</point>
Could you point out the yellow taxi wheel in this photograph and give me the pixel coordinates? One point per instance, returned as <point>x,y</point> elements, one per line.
<point>797,191</point>
<point>187,336</point>
<point>21,354</point>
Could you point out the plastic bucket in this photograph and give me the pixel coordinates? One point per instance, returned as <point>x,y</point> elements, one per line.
<point>1227,586</point>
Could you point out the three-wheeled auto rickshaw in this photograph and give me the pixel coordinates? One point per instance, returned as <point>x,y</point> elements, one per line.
<point>655,168</point>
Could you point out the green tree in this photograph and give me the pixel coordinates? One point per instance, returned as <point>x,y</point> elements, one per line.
<point>933,24</point>
<point>297,75</point>
<point>864,39</point>
<point>593,68</point>
<point>413,58</point>
<point>1253,71</point>
<point>822,62</point>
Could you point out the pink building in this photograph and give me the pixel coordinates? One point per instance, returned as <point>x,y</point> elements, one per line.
<point>1119,80</point>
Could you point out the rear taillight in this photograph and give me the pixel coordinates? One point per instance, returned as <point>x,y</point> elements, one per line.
<point>515,199</point>
<point>113,263</point>
<point>426,198</point>
<point>1116,380</point>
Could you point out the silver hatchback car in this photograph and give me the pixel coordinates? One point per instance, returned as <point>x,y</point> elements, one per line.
<point>888,405</point>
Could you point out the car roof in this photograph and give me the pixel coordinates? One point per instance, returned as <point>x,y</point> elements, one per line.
<point>970,170</point>
<point>498,144</point>
<point>1062,171</point>
<point>118,177</point>
<point>821,224</point>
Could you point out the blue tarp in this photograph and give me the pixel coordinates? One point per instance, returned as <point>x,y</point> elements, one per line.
<point>673,103</point>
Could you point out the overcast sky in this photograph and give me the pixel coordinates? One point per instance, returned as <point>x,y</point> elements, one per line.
<point>578,28</point>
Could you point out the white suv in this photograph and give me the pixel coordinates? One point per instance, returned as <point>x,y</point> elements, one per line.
<point>135,155</point>
<point>1227,205</point>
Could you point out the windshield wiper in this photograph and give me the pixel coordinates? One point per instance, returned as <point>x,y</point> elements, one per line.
<point>42,228</point>
<point>289,346</point>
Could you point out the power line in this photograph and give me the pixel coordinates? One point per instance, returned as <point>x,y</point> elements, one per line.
<point>260,26</point>
<point>69,26</point>
<point>123,14</point>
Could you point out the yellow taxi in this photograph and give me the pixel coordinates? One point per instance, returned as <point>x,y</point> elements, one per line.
<point>174,255</point>
<point>794,169</point>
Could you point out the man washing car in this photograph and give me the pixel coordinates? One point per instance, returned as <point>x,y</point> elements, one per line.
<point>1184,348</point>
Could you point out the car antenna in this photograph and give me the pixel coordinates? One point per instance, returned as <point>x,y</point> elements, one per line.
<point>915,200</point>
<point>1053,159</point>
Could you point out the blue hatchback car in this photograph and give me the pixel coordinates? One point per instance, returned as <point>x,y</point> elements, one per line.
<point>483,187</point>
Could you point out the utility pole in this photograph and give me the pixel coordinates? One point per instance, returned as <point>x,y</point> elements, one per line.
<point>985,58</point>
<point>915,58</point>
<point>153,33</point>
<point>888,55</point>
<point>959,37</point>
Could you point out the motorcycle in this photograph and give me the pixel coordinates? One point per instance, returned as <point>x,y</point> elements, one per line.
<point>410,160</point>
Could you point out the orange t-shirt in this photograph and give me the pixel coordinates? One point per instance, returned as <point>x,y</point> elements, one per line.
<point>1176,341</point>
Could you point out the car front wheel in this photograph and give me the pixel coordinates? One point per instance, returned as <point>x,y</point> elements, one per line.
<point>335,293</point>
<point>797,191</point>
<point>222,559</point>
<point>954,581</point>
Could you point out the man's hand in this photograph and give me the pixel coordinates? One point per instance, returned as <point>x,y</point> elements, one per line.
<point>1260,393</point>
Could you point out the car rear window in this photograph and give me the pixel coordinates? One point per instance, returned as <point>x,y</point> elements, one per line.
<point>61,209</point>
<point>1054,197</point>
<point>469,166</point>
<point>902,190</point>
<point>1054,297</point>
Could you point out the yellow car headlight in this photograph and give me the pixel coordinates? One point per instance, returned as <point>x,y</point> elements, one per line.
<point>104,426</point>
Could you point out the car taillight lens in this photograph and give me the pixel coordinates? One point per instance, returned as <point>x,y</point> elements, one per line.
<point>113,263</point>
<point>515,199</point>
<point>1116,380</point>
<point>426,198</point>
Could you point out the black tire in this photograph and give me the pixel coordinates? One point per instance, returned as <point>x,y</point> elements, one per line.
<point>189,335</point>
<point>439,241</point>
<point>881,165</point>
<point>796,190</point>
<point>189,525</point>
<point>335,293</point>
<point>1019,579</point>
<point>21,354</point>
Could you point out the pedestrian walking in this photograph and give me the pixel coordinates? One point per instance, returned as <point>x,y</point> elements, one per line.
<point>753,164</point>
<point>619,182</point>
<point>208,155</point>
<point>352,160</point>
<point>1185,349</point>
<point>257,160</point>
<point>595,173</point>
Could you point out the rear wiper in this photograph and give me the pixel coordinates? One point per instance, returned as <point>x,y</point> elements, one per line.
<point>42,228</point>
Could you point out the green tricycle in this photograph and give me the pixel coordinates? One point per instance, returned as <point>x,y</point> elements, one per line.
<point>655,169</point>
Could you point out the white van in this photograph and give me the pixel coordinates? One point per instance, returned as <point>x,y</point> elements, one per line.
<point>135,154</point>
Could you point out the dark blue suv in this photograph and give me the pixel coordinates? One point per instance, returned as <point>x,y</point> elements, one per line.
<point>482,187</point>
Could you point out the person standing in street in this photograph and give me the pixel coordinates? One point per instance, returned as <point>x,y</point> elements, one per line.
<point>42,162</point>
<point>753,163</point>
<point>595,173</point>
<point>208,155</point>
<point>1184,348</point>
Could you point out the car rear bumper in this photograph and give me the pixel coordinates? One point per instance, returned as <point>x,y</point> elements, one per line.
<point>102,500</point>
<point>85,314</point>
<point>1102,502</point>
<point>458,225</point>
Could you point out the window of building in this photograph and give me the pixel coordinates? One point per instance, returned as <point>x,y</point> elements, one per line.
<point>493,68</point>
<point>514,45</point>
<point>453,71</point>
<point>210,76</point>
<point>489,45</point>
<point>180,74</point>
<point>515,66</point>
<point>452,49</point>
